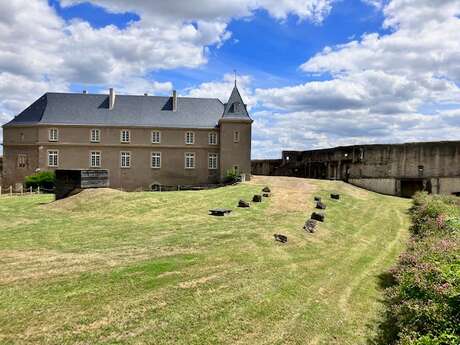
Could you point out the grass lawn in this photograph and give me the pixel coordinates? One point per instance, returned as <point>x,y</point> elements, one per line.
<point>107,267</point>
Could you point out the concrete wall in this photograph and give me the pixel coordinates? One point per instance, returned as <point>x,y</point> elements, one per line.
<point>74,146</point>
<point>391,169</point>
<point>379,185</point>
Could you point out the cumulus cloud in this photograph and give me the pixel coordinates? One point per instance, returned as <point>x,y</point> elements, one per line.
<point>44,52</point>
<point>384,88</point>
<point>222,89</point>
<point>210,10</point>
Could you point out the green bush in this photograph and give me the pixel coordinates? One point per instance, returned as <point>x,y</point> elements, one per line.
<point>46,180</point>
<point>423,305</point>
<point>232,176</point>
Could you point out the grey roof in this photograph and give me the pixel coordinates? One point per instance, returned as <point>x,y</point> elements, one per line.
<point>92,109</point>
<point>235,107</point>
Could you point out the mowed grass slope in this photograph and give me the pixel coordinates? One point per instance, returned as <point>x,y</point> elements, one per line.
<point>108,267</point>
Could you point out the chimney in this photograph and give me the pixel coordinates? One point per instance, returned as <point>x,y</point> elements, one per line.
<point>111,98</point>
<point>146,94</point>
<point>84,92</point>
<point>174,101</point>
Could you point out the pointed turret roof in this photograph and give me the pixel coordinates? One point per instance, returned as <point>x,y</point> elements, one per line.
<point>235,107</point>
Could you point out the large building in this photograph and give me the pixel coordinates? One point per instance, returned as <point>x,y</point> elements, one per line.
<point>394,169</point>
<point>143,141</point>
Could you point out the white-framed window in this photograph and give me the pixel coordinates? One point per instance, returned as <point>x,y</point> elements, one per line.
<point>22,160</point>
<point>125,159</point>
<point>53,158</point>
<point>156,160</point>
<point>95,136</point>
<point>212,138</point>
<point>190,138</point>
<point>125,136</point>
<point>156,137</point>
<point>53,134</point>
<point>236,136</point>
<point>212,161</point>
<point>95,158</point>
<point>190,160</point>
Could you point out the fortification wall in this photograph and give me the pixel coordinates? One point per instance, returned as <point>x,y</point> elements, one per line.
<point>395,169</point>
<point>379,185</point>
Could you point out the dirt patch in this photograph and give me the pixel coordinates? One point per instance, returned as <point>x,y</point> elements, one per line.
<point>193,283</point>
<point>93,194</point>
<point>289,194</point>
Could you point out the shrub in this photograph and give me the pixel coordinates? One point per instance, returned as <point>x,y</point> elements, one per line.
<point>232,176</point>
<point>44,179</point>
<point>423,305</point>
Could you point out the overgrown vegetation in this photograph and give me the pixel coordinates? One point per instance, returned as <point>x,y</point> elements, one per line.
<point>44,179</point>
<point>424,301</point>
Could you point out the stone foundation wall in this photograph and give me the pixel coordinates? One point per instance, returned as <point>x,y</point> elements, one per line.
<point>379,185</point>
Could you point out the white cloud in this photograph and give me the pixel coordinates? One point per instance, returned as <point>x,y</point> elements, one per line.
<point>223,88</point>
<point>210,10</point>
<point>388,88</point>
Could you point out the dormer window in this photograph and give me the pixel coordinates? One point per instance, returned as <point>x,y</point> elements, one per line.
<point>235,107</point>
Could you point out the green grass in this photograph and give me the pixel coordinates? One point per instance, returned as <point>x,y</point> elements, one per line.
<point>135,268</point>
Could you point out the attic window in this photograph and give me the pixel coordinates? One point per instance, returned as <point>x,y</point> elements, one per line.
<point>235,107</point>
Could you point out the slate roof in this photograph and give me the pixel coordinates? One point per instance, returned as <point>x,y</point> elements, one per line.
<point>235,107</point>
<point>92,109</point>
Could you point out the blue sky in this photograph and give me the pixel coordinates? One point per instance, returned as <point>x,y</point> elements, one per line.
<point>315,73</point>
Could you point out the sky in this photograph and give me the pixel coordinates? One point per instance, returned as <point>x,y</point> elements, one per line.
<point>314,73</point>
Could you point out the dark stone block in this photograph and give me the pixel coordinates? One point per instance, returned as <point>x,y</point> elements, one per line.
<point>219,212</point>
<point>266,195</point>
<point>310,225</point>
<point>319,216</point>
<point>335,196</point>
<point>317,198</point>
<point>257,198</point>
<point>280,238</point>
<point>243,203</point>
<point>266,190</point>
<point>320,205</point>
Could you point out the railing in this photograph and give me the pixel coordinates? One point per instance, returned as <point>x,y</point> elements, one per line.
<point>10,191</point>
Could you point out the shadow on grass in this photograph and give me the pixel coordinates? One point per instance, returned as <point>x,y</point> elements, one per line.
<point>387,332</point>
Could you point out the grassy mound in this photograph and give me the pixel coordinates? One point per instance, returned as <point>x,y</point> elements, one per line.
<point>131,268</point>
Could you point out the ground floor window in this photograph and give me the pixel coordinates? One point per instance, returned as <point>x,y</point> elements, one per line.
<point>212,161</point>
<point>95,159</point>
<point>190,160</point>
<point>125,159</point>
<point>53,158</point>
<point>156,160</point>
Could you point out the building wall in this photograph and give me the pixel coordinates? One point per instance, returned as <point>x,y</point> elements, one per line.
<point>235,153</point>
<point>379,185</point>
<point>74,148</point>
<point>390,169</point>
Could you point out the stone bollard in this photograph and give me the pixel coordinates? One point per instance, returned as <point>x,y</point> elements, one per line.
<point>320,205</point>
<point>310,225</point>
<point>243,203</point>
<point>319,216</point>
<point>266,190</point>
<point>257,198</point>
<point>317,198</point>
<point>266,195</point>
<point>280,238</point>
<point>335,196</point>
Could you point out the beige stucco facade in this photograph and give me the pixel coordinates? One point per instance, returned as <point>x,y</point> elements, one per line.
<point>74,149</point>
